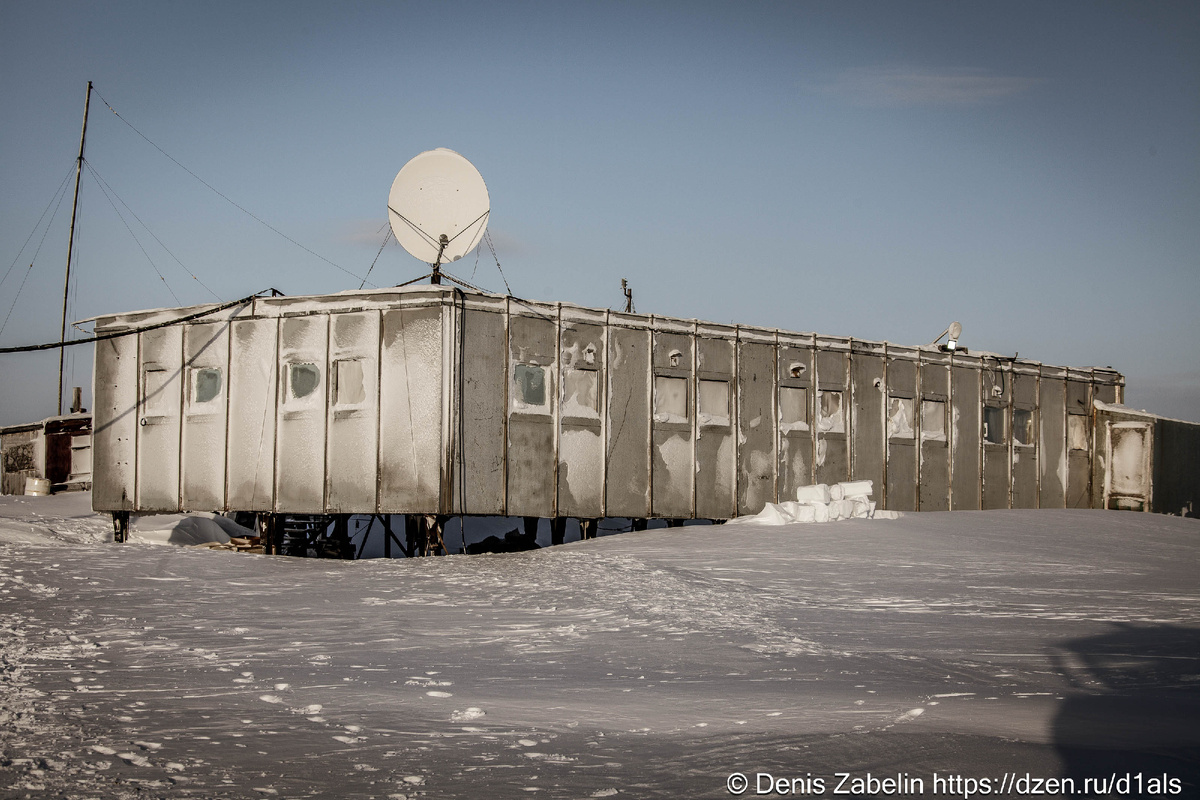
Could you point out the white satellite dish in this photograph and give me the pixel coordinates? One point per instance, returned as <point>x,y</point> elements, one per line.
<point>438,207</point>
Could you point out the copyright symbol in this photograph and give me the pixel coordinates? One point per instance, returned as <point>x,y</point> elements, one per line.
<point>737,783</point>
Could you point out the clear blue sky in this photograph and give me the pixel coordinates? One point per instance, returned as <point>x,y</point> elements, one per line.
<point>865,169</point>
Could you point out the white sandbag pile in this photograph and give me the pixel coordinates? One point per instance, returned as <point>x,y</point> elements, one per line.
<point>823,503</point>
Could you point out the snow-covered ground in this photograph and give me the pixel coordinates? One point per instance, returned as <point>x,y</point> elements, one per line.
<point>974,645</point>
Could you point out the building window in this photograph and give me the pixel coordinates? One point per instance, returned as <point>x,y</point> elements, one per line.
<point>831,417</point>
<point>1077,432</point>
<point>349,387</point>
<point>205,385</point>
<point>714,402</point>
<point>1023,427</point>
<point>793,409</point>
<point>530,387</point>
<point>670,399</point>
<point>581,393</point>
<point>994,428</point>
<point>933,420</point>
<point>156,401</point>
<point>900,418</point>
<point>303,380</point>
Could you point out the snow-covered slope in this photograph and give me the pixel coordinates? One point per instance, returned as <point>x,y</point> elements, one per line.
<point>655,664</point>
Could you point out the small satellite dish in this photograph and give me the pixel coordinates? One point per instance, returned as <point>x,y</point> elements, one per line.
<point>438,207</point>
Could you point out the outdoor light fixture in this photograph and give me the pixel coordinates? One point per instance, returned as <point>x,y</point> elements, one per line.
<point>953,333</point>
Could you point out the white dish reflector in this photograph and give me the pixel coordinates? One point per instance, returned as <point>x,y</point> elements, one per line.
<point>438,193</point>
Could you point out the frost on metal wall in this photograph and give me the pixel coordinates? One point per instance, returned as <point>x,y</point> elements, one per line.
<point>934,433</point>
<point>756,422</point>
<point>1079,440</point>
<point>716,482</point>
<point>1052,460</point>
<point>628,478</point>
<point>253,373</point>
<point>205,389</point>
<point>964,436</point>
<point>483,410</point>
<point>901,430</point>
<point>114,393</point>
<point>353,414</point>
<point>795,414</point>
<point>672,470</point>
<point>1024,437</point>
<point>159,397</point>
<point>581,432</point>
<point>833,413</point>
<point>533,383</point>
<point>629,422</point>
<point>410,413</point>
<point>997,399</point>
<point>300,454</point>
<point>867,435</point>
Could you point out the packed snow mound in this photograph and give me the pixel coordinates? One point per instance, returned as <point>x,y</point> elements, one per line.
<point>821,502</point>
<point>185,529</point>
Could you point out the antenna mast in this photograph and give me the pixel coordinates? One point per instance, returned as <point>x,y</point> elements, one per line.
<point>62,336</point>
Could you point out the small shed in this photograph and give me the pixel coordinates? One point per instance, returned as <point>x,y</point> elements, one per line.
<point>58,449</point>
<point>1146,462</point>
<point>433,400</point>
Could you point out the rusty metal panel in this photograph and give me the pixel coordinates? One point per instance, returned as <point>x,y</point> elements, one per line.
<point>794,411</point>
<point>832,459</point>
<point>716,456</point>
<point>300,443</point>
<point>868,439</point>
<point>410,410</point>
<point>1079,444</point>
<point>1105,392</point>
<point>628,461</point>
<point>756,431</point>
<point>1024,440</point>
<point>352,464</point>
<point>205,409</point>
<point>533,381</point>
<point>253,377</point>
<point>672,471</point>
<point>900,411</point>
<point>996,432</point>
<point>965,425</point>
<point>933,417</point>
<point>160,397</point>
<point>483,412</point>
<point>581,432</point>
<point>114,393</point>
<point>1052,456</point>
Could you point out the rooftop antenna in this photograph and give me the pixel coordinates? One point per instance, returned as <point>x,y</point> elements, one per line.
<point>438,208</point>
<point>628,296</point>
<point>62,336</point>
<point>953,332</point>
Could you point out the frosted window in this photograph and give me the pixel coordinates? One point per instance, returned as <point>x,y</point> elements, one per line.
<point>670,399</point>
<point>155,399</point>
<point>1077,432</point>
<point>994,429</point>
<point>793,408</point>
<point>714,402</point>
<point>1022,427</point>
<point>933,420</point>
<point>580,392</point>
<point>351,389</point>
<point>830,416</point>
<point>900,418</point>
<point>530,385</point>
<point>206,385</point>
<point>303,380</point>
